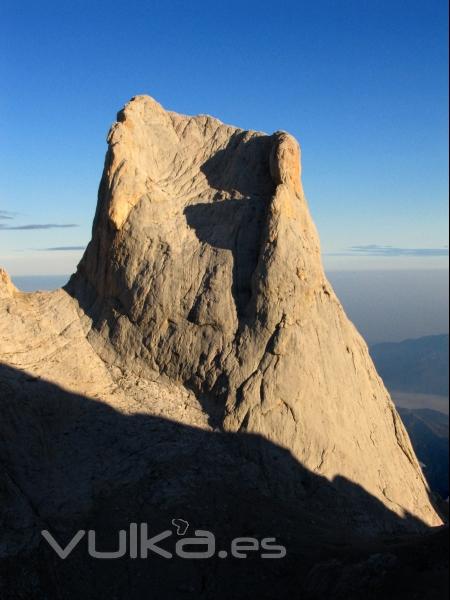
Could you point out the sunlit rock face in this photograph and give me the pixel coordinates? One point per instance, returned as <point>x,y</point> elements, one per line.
<point>204,272</point>
<point>198,366</point>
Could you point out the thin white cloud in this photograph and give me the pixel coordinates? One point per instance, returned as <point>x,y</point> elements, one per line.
<point>37,226</point>
<point>63,249</point>
<point>6,215</point>
<point>391,251</point>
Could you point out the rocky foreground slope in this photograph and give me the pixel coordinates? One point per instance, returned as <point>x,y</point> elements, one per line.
<point>197,365</point>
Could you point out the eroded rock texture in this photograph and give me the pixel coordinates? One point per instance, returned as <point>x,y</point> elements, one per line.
<point>205,267</point>
<point>199,366</point>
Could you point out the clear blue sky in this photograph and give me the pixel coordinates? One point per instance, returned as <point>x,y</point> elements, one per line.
<point>361,83</point>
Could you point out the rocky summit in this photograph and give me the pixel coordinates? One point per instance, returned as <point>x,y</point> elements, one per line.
<point>197,366</point>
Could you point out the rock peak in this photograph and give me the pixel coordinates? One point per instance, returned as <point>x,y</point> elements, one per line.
<point>285,161</point>
<point>148,146</point>
<point>7,288</point>
<point>205,268</point>
<point>197,365</point>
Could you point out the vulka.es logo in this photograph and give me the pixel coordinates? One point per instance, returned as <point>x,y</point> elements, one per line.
<point>136,543</point>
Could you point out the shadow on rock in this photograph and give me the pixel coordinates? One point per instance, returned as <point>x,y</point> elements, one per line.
<point>72,463</point>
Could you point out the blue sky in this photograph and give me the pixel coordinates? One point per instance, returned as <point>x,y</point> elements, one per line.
<point>361,83</point>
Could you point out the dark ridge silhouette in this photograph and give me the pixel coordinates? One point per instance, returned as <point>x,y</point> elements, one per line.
<point>417,366</point>
<point>429,432</point>
<point>70,462</point>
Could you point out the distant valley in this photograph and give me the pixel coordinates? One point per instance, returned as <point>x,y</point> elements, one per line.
<point>419,366</point>
<point>416,373</point>
<point>429,431</point>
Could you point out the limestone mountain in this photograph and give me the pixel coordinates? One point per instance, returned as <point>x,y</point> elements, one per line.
<point>205,267</point>
<point>197,366</point>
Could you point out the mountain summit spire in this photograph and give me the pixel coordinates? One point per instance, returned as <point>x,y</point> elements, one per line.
<point>204,268</point>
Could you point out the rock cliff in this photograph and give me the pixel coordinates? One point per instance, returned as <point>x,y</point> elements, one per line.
<point>198,365</point>
<point>205,267</point>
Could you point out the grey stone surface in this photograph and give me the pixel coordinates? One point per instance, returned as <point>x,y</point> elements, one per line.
<point>198,347</point>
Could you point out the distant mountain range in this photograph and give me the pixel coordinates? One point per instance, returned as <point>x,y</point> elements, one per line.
<point>419,366</point>
<point>417,375</point>
<point>429,432</point>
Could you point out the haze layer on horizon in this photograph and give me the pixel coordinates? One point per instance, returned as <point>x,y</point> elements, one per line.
<point>385,306</point>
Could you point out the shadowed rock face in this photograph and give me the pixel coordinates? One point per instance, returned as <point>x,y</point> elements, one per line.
<point>71,462</point>
<point>204,268</point>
